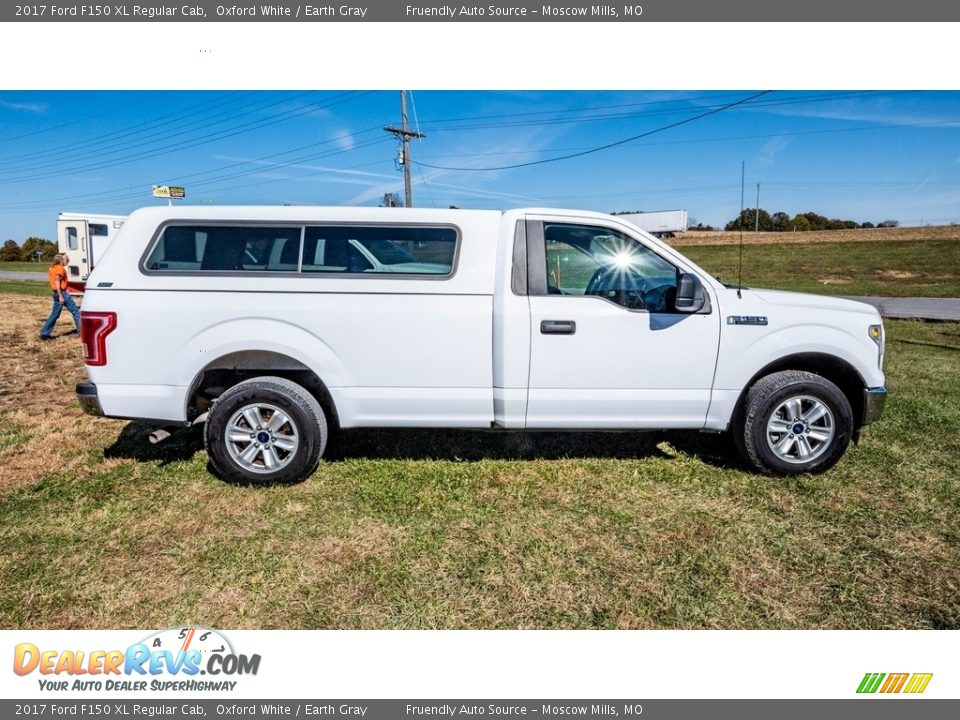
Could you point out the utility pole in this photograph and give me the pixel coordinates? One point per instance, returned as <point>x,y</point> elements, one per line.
<point>756,225</point>
<point>404,134</point>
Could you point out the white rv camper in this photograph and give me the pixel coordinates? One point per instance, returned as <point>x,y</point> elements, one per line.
<point>85,237</point>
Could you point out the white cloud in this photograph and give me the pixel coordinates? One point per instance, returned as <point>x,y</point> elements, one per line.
<point>37,108</point>
<point>772,148</point>
<point>344,140</point>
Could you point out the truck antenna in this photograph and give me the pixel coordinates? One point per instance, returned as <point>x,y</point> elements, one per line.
<point>743,171</point>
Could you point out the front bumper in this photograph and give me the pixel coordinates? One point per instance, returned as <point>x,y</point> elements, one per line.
<point>873,401</point>
<point>88,399</point>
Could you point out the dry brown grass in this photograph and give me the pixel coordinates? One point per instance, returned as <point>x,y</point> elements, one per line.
<point>37,395</point>
<point>721,237</point>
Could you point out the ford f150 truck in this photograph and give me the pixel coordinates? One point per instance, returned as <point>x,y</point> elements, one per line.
<point>273,324</point>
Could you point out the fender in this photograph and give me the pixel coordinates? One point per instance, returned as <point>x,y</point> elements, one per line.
<point>743,357</point>
<point>259,334</point>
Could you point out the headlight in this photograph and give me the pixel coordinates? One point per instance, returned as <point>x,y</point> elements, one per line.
<point>876,334</point>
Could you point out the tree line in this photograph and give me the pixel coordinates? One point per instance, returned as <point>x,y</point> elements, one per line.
<point>33,248</point>
<point>750,219</point>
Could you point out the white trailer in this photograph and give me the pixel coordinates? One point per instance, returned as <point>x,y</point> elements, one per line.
<point>662,223</point>
<point>85,237</point>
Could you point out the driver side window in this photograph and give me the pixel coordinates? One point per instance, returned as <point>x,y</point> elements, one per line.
<point>597,261</point>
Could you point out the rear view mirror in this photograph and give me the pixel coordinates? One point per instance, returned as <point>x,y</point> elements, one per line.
<point>690,295</point>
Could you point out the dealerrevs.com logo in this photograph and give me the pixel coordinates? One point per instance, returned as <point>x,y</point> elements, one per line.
<point>173,659</point>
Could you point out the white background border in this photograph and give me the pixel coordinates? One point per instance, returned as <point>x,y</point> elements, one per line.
<point>641,664</point>
<point>805,664</point>
<point>490,55</point>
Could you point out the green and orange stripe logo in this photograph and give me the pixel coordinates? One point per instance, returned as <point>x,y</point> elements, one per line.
<point>894,682</point>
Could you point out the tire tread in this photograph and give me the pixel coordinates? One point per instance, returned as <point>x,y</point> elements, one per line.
<point>753,412</point>
<point>295,393</point>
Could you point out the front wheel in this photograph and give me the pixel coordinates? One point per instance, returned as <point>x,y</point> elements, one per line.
<point>794,422</point>
<point>265,430</point>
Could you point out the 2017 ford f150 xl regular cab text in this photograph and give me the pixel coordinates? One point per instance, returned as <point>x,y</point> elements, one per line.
<point>273,324</point>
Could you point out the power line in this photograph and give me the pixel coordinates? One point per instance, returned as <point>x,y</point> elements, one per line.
<point>808,98</point>
<point>112,137</point>
<point>728,138</point>
<point>202,140</point>
<point>201,173</point>
<point>827,97</point>
<point>125,193</point>
<point>111,112</point>
<point>608,145</point>
<point>143,142</point>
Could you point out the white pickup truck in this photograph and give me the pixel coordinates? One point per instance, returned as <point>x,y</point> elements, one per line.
<point>272,324</point>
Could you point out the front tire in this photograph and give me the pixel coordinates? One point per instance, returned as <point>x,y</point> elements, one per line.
<point>794,422</point>
<point>265,430</point>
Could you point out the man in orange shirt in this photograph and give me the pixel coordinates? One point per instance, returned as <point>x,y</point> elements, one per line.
<point>57,275</point>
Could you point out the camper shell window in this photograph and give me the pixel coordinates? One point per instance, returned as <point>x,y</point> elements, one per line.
<point>409,250</point>
<point>381,249</point>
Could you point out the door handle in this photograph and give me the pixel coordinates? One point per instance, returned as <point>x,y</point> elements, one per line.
<point>558,327</point>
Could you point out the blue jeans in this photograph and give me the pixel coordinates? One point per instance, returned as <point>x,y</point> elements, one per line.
<point>57,309</point>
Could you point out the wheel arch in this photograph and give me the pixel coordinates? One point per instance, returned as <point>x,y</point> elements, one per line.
<point>226,371</point>
<point>835,369</point>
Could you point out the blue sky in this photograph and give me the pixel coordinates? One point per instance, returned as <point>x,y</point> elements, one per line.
<point>861,155</point>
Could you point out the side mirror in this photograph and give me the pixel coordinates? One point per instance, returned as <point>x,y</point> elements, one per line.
<point>690,295</point>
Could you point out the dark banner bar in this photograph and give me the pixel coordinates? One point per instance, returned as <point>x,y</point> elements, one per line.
<point>854,709</point>
<point>510,11</point>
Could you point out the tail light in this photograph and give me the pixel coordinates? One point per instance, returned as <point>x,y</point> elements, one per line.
<point>94,328</point>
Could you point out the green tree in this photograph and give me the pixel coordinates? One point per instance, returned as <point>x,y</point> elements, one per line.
<point>780,222</point>
<point>10,252</point>
<point>800,223</point>
<point>817,222</point>
<point>33,245</point>
<point>748,220</point>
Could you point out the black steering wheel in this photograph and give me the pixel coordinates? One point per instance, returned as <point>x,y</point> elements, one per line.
<point>620,286</point>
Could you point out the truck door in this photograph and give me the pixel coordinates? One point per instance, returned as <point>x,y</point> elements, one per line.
<point>608,348</point>
<point>72,238</point>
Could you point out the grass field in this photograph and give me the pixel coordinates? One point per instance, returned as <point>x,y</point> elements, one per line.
<point>898,268</point>
<point>24,287</point>
<point>25,267</point>
<point>427,529</point>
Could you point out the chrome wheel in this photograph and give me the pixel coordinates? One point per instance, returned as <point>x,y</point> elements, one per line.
<point>800,429</point>
<point>261,438</point>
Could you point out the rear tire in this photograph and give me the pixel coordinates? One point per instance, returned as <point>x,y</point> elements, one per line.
<point>794,422</point>
<point>265,430</point>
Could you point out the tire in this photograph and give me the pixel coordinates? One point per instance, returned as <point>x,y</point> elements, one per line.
<point>794,422</point>
<point>249,443</point>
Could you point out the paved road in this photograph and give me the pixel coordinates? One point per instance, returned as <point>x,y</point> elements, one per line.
<point>946,309</point>
<point>11,275</point>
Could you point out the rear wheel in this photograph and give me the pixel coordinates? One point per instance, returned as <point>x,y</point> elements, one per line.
<point>265,430</point>
<point>794,422</point>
